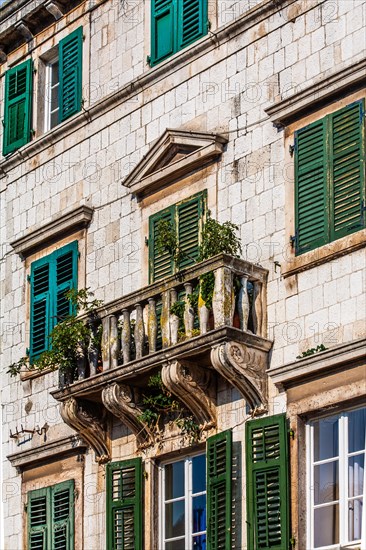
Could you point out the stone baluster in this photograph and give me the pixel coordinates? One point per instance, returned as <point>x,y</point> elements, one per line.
<point>243,303</point>
<point>257,310</point>
<point>126,336</point>
<point>152,325</point>
<point>93,351</point>
<point>164,319</point>
<point>110,343</point>
<point>105,343</point>
<point>203,315</point>
<point>139,332</point>
<point>188,311</point>
<point>223,301</point>
<point>81,361</point>
<point>174,319</point>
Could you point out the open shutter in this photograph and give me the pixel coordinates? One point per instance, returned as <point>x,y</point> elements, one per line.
<point>63,516</point>
<point>65,276</point>
<point>160,263</point>
<point>162,29</point>
<point>124,505</point>
<point>18,106</point>
<point>38,510</point>
<point>192,21</point>
<point>70,66</point>
<point>347,142</point>
<point>311,210</point>
<point>189,221</point>
<point>219,491</point>
<point>40,306</point>
<point>267,484</point>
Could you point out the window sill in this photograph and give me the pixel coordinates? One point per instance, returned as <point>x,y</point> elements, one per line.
<point>324,254</point>
<point>31,375</point>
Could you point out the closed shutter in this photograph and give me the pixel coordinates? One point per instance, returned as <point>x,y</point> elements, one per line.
<point>160,263</point>
<point>162,29</point>
<point>38,515</point>
<point>40,307</point>
<point>219,491</point>
<point>18,106</point>
<point>267,484</point>
<point>70,66</point>
<point>192,21</point>
<point>347,144</point>
<point>189,220</point>
<point>311,211</point>
<point>63,516</point>
<point>65,278</point>
<point>124,505</point>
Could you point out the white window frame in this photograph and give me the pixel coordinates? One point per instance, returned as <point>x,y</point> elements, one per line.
<point>48,93</point>
<point>188,496</point>
<point>343,499</point>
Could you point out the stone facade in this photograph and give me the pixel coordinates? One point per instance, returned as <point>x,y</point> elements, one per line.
<point>255,57</point>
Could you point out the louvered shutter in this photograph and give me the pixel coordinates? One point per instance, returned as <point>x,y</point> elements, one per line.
<point>70,66</point>
<point>160,263</point>
<point>219,491</point>
<point>192,21</point>
<point>189,221</point>
<point>18,106</point>
<point>40,306</point>
<point>347,143</point>
<point>311,207</point>
<point>65,277</point>
<point>124,505</point>
<point>63,516</point>
<point>38,519</point>
<point>163,15</point>
<point>267,484</point>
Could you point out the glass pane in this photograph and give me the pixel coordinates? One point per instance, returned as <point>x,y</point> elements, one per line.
<point>326,521</point>
<point>355,475</point>
<point>199,543</point>
<point>174,480</point>
<point>176,545</point>
<point>174,519</point>
<point>54,73</point>
<point>54,119</point>
<point>326,482</point>
<point>54,98</point>
<point>356,430</point>
<point>326,438</point>
<point>354,519</point>
<point>199,514</point>
<point>199,473</point>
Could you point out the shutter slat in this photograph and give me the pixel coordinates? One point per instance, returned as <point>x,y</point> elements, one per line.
<point>189,215</point>
<point>70,89</point>
<point>163,16</point>
<point>161,264</point>
<point>192,21</point>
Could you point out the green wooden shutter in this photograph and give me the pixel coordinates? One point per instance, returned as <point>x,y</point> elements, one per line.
<point>347,170</point>
<point>219,491</point>
<point>70,67</point>
<point>18,106</point>
<point>65,277</point>
<point>192,21</point>
<point>189,221</point>
<point>267,484</point>
<point>38,510</point>
<point>163,18</point>
<point>62,497</point>
<point>160,263</point>
<point>40,306</point>
<point>311,207</point>
<point>124,505</point>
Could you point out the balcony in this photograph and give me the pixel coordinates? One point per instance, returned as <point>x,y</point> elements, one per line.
<point>141,334</point>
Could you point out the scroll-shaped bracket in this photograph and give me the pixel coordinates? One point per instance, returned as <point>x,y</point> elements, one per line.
<point>245,369</point>
<point>122,402</point>
<point>78,415</point>
<point>193,385</point>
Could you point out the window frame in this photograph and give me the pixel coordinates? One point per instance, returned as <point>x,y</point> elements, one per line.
<point>343,495</point>
<point>48,94</point>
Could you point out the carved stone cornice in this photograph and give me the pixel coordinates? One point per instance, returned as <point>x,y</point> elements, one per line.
<point>245,368</point>
<point>88,424</point>
<point>193,385</point>
<point>122,402</point>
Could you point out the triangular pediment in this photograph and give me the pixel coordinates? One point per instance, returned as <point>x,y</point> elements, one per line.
<point>174,155</point>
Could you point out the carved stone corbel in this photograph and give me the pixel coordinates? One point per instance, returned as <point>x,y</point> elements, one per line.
<point>193,385</point>
<point>88,425</point>
<point>54,8</point>
<point>24,30</point>
<point>122,402</point>
<point>245,368</point>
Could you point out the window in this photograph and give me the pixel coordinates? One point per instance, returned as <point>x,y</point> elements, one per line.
<point>336,461</point>
<point>50,514</point>
<point>186,219</point>
<point>330,178</point>
<point>50,278</point>
<point>63,92</point>
<point>124,505</point>
<point>174,25</point>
